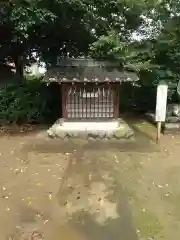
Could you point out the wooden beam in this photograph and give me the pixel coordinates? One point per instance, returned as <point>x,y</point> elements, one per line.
<point>64,90</point>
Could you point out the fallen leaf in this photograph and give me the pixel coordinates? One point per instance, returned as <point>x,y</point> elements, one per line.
<point>29,201</point>
<point>143,210</point>
<point>38,215</point>
<point>16,170</point>
<point>101,201</point>
<point>36,235</point>
<point>50,196</point>
<point>58,165</point>
<point>90,177</point>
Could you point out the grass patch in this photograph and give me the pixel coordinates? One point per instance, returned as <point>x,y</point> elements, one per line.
<point>147,224</point>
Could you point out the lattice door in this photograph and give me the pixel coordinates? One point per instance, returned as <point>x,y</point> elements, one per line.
<point>90,102</point>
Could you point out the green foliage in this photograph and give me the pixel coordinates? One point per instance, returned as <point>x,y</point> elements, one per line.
<point>168,49</point>
<point>110,47</point>
<point>61,27</point>
<point>135,98</point>
<point>33,102</point>
<point>101,29</point>
<point>135,56</point>
<point>154,57</point>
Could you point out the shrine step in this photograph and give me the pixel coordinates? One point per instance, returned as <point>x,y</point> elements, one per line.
<point>171,128</point>
<point>108,129</point>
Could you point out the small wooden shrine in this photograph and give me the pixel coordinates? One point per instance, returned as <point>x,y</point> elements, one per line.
<point>90,89</point>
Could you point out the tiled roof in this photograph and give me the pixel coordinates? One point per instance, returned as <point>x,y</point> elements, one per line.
<point>88,70</point>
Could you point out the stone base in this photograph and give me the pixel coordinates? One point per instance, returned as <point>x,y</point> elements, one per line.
<point>171,128</point>
<point>117,129</point>
<point>172,119</point>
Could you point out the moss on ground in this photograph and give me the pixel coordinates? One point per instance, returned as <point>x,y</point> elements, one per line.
<point>147,224</point>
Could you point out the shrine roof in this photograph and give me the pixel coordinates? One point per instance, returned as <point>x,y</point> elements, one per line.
<point>88,70</point>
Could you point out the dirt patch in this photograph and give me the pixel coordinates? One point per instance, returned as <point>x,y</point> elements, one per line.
<point>52,189</point>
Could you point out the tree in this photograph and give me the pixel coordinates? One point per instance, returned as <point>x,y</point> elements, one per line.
<point>63,27</point>
<point>18,23</point>
<point>166,47</point>
<point>98,28</point>
<point>154,53</point>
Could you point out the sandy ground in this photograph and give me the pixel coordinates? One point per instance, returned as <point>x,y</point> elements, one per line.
<point>99,190</point>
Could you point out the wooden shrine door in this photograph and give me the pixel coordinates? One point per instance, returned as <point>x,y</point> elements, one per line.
<point>90,101</point>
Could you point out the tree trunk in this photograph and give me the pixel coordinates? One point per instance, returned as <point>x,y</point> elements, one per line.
<point>18,61</point>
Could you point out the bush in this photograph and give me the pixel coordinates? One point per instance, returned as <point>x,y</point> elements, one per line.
<point>32,102</point>
<point>138,99</point>
<point>36,103</point>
